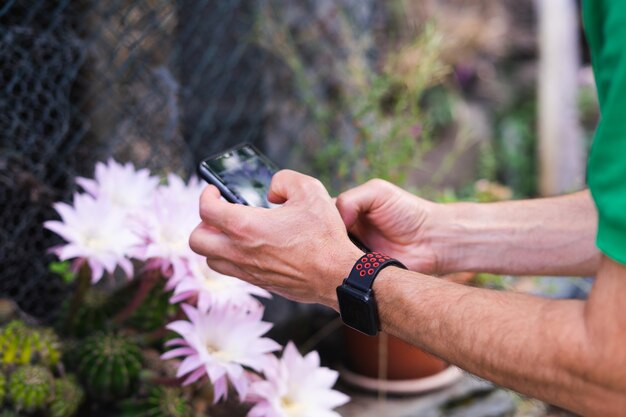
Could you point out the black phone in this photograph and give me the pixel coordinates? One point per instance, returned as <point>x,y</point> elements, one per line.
<point>243,176</point>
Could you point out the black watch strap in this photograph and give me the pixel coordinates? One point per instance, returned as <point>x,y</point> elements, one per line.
<point>367,268</point>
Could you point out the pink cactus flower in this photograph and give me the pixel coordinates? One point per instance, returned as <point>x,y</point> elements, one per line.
<point>121,185</point>
<point>165,227</point>
<point>296,386</point>
<point>219,344</point>
<point>95,232</point>
<point>212,289</point>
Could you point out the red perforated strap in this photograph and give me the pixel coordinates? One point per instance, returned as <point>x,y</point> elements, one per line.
<point>367,267</point>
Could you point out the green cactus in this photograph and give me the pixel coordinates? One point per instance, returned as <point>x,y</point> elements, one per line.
<point>108,366</point>
<point>160,402</point>
<point>67,397</point>
<point>9,413</point>
<point>30,387</point>
<point>22,345</point>
<point>3,389</point>
<point>153,311</point>
<point>92,315</point>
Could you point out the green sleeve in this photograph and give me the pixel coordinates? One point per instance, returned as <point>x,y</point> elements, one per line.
<point>605,23</point>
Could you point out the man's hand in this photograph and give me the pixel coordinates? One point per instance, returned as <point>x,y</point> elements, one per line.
<point>299,250</point>
<point>393,221</point>
<point>552,236</point>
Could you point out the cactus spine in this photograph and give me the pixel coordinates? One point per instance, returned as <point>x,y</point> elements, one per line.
<point>108,366</point>
<point>67,397</point>
<point>160,402</point>
<point>30,387</point>
<point>23,345</point>
<point>3,385</point>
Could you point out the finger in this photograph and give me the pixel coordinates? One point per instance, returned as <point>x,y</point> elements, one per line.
<point>208,199</point>
<point>290,185</point>
<point>211,191</point>
<point>359,200</point>
<point>225,216</point>
<point>228,268</point>
<point>207,241</point>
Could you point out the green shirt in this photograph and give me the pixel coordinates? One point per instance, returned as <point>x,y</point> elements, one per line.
<point>605,25</point>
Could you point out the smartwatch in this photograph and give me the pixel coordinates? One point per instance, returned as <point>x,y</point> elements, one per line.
<point>357,304</point>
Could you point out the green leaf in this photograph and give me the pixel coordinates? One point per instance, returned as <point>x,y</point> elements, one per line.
<point>64,270</point>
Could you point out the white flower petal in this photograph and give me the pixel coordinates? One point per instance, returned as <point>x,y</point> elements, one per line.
<point>188,364</point>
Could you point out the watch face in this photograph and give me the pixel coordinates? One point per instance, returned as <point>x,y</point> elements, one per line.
<point>358,310</point>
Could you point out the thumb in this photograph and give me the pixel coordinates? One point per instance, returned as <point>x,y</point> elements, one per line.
<point>358,201</point>
<point>290,185</point>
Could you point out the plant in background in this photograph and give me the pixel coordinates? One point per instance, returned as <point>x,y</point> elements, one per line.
<point>22,345</point>
<point>108,366</point>
<point>160,402</point>
<point>33,380</point>
<point>30,387</point>
<point>67,396</point>
<point>3,383</point>
<point>372,124</point>
<point>133,271</point>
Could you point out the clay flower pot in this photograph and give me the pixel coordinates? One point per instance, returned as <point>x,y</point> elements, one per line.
<point>393,365</point>
<point>404,361</point>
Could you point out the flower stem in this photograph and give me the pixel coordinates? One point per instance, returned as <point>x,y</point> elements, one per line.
<point>147,282</point>
<point>82,285</point>
<point>158,334</point>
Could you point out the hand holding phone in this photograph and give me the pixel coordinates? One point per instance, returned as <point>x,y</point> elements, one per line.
<point>243,175</point>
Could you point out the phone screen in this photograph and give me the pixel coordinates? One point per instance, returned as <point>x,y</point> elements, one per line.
<point>244,172</point>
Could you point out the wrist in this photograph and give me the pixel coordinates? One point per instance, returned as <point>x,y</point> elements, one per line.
<point>338,270</point>
<point>453,233</point>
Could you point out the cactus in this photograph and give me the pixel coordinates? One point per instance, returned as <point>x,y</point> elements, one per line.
<point>22,345</point>
<point>30,387</point>
<point>90,316</point>
<point>153,311</point>
<point>108,366</point>
<point>9,413</point>
<point>3,392</point>
<point>67,397</point>
<point>160,402</point>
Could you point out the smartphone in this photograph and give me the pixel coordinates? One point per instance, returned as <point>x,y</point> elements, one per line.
<point>243,176</point>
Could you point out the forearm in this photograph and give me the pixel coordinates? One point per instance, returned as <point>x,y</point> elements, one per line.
<point>542,348</point>
<point>552,236</point>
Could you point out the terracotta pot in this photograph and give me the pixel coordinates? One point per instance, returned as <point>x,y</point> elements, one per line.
<point>404,361</point>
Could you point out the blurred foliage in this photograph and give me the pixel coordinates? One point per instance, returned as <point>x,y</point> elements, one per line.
<point>63,269</point>
<point>22,345</point>
<point>588,106</point>
<point>33,379</point>
<point>159,402</point>
<point>440,99</point>
<point>373,125</point>
<point>515,146</point>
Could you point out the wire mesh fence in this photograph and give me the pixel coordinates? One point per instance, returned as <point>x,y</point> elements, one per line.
<point>163,83</point>
<point>156,82</point>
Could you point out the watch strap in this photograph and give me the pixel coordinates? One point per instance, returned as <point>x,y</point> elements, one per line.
<point>367,268</point>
